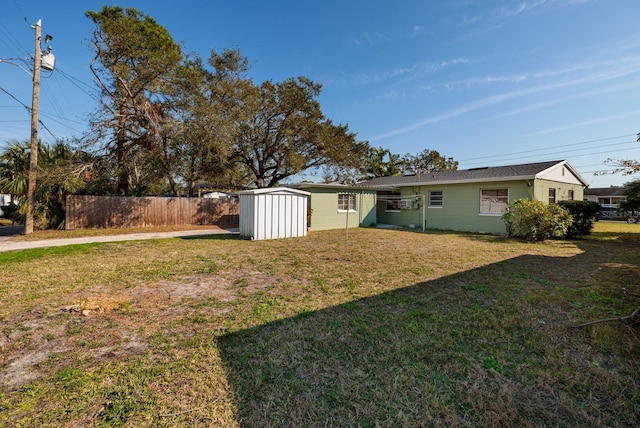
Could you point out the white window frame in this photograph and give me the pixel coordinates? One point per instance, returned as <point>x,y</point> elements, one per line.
<point>552,199</point>
<point>350,202</point>
<point>570,194</point>
<point>498,200</point>
<point>436,199</point>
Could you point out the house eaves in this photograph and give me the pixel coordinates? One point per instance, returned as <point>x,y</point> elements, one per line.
<point>336,186</point>
<point>466,181</point>
<point>519,172</point>
<point>567,165</point>
<point>604,191</point>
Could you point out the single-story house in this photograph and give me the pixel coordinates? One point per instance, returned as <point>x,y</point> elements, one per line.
<point>607,197</point>
<point>336,206</point>
<point>471,199</point>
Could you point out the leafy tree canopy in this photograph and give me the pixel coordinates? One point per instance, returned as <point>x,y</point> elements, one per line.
<point>382,163</point>
<point>427,161</point>
<point>632,196</point>
<point>133,55</point>
<point>284,132</point>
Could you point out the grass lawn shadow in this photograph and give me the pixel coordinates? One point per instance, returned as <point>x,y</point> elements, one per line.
<point>492,346</point>
<point>217,236</point>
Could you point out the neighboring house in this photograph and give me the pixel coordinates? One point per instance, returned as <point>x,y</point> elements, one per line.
<point>4,200</point>
<point>608,197</point>
<point>471,199</point>
<point>215,195</point>
<point>334,206</point>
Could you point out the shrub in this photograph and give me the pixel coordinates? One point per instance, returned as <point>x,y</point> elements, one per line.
<point>583,213</point>
<point>535,221</point>
<point>631,203</point>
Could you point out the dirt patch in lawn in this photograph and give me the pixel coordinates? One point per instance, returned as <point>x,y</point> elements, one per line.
<point>116,324</point>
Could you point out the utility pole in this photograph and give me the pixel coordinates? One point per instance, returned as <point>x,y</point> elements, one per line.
<point>33,156</point>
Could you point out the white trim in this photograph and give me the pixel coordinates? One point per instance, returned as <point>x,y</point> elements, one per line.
<point>274,190</point>
<point>563,164</point>
<point>441,199</point>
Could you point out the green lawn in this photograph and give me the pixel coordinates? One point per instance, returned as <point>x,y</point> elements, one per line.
<point>388,329</point>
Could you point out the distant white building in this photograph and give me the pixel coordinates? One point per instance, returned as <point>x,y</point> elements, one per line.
<point>215,195</point>
<point>607,197</point>
<point>4,200</point>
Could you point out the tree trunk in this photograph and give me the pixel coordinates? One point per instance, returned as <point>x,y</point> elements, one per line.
<point>121,141</point>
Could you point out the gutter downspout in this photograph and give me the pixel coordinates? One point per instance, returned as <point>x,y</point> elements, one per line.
<point>424,212</point>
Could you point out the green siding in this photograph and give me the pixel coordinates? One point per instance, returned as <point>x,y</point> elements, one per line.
<point>461,204</point>
<point>403,217</point>
<point>460,208</point>
<point>562,190</point>
<point>325,215</point>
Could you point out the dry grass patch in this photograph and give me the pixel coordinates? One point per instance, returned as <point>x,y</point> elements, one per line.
<point>391,328</point>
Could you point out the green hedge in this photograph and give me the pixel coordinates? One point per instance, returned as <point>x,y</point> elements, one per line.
<point>583,213</point>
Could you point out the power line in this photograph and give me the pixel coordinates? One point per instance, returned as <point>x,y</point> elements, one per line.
<point>546,156</point>
<point>64,123</point>
<point>29,110</point>
<point>10,40</point>
<point>76,82</point>
<point>21,12</point>
<point>12,96</point>
<point>63,118</point>
<point>549,147</point>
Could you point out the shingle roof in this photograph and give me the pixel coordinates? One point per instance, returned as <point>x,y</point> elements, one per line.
<point>605,191</point>
<point>494,173</point>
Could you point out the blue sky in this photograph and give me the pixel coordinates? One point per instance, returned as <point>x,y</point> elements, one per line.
<point>487,82</point>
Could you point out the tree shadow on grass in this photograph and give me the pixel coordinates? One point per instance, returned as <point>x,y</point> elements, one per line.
<point>487,347</point>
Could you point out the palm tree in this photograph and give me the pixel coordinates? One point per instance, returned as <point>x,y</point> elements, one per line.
<point>61,171</point>
<point>14,168</point>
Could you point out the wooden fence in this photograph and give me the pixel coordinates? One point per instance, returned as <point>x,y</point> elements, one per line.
<point>106,212</point>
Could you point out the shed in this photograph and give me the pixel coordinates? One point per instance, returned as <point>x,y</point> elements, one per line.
<point>274,212</point>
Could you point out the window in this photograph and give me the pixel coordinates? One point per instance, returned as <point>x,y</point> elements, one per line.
<point>393,202</point>
<point>552,196</point>
<point>346,202</point>
<point>570,194</point>
<point>604,201</point>
<point>493,201</point>
<point>435,199</point>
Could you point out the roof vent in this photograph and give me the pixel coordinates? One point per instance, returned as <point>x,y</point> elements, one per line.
<point>478,169</point>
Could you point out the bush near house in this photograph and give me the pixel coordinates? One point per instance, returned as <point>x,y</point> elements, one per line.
<point>583,213</point>
<point>534,220</point>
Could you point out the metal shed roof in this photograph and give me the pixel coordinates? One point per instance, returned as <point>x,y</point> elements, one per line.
<point>274,190</point>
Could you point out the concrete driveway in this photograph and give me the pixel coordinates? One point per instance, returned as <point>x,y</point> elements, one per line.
<point>8,242</point>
